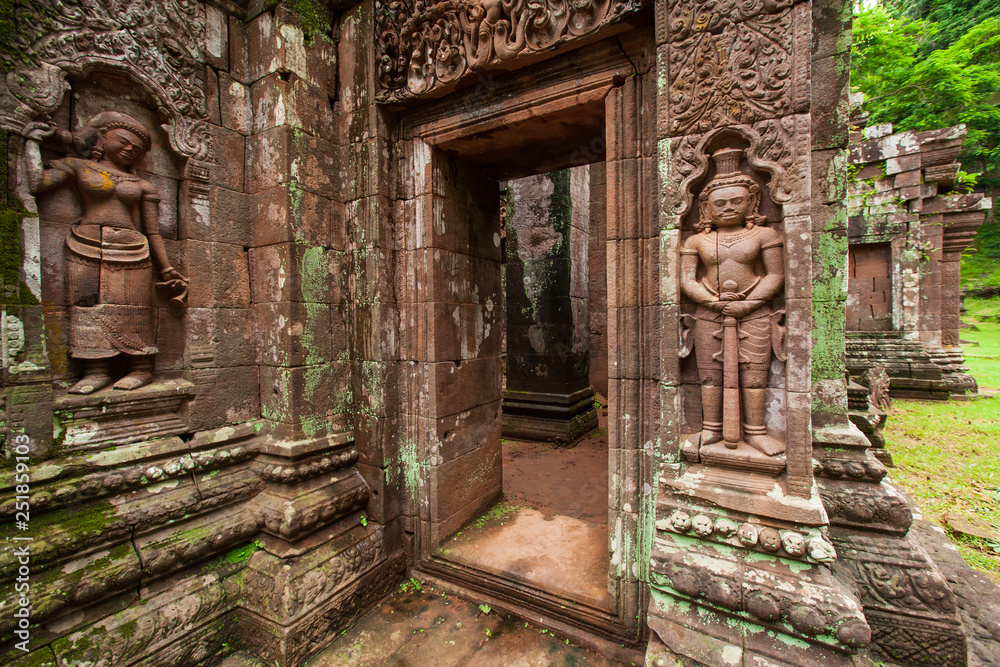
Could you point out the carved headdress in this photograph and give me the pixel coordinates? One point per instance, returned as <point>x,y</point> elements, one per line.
<point>728,174</point>
<point>86,142</point>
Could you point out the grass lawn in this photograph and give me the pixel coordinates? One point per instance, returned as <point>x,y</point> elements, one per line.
<point>983,355</point>
<point>948,454</point>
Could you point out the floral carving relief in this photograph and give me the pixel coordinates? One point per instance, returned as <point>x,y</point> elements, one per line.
<point>426,45</point>
<point>749,71</point>
<point>154,41</point>
<point>686,17</point>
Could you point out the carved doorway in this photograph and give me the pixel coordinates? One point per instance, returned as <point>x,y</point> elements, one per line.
<point>453,154</point>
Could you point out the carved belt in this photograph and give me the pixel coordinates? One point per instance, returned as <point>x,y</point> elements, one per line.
<point>107,244</point>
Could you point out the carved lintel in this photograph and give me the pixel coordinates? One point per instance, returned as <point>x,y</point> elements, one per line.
<point>426,48</point>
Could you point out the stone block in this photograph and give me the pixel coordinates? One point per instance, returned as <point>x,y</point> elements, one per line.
<point>218,274</point>
<point>357,86</point>
<point>228,396</point>
<point>287,154</point>
<point>216,47</point>
<point>832,22</point>
<point>907,179</point>
<point>462,486</point>
<point>367,220</point>
<point>274,46</point>
<point>458,387</point>
<point>460,330</point>
<point>223,217</point>
<point>236,109</point>
<point>212,102</point>
<point>280,99</point>
<point>829,176</point>
<point>313,400</point>
<point>364,171</point>
<point>831,81</point>
<point>296,272</point>
<point>230,150</point>
<point>322,66</point>
<point>897,165</point>
<point>383,503</point>
<point>290,333</point>
<point>285,213</point>
<point>239,53</point>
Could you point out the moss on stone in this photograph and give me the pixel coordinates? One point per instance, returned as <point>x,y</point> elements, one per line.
<point>313,17</point>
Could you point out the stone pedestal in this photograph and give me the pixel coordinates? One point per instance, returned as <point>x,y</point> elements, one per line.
<point>550,417</point>
<point>318,548</point>
<point>111,416</point>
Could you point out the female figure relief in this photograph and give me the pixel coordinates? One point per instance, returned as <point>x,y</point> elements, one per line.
<point>109,277</point>
<point>731,268</point>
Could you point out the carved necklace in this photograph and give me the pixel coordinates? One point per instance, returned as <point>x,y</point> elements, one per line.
<point>121,177</point>
<point>118,176</point>
<point>733,239</point>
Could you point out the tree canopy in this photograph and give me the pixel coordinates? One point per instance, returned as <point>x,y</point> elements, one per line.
<point>927,64</point>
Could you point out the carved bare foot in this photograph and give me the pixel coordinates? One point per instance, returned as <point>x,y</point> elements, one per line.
<point>90,383</point>
<point>141,374</point>
<point>710,437</point>
<point>765,444</point>
<point>134,380</point>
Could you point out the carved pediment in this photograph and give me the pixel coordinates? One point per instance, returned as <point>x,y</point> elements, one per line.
<point>155,42</point>
<point>428,46</point>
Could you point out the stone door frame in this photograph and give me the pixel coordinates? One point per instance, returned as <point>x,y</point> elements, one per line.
<point>620,72</point>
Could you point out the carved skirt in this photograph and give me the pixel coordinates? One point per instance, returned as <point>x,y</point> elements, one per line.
<point>109,283</point>
<point>754,333</point>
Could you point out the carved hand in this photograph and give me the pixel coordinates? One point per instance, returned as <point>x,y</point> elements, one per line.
<point>730,296</point>
<point>38,130</point>
<point>717,306</point>
<point>740,308</point>
<point>173,276</point>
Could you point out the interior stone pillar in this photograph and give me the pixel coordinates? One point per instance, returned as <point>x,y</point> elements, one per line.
<point>548,394</point>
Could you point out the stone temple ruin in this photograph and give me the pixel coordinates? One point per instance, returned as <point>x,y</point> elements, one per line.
<point>277,289</point>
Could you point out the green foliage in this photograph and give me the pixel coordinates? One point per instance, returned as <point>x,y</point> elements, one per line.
<point>981,263</point>
<point>921,72</point>
<point>485,608</point>
<point>411,585</point>
<point>313,15</point>
<point>953,17</point>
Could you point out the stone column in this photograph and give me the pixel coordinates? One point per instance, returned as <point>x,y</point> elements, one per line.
<point>597,253</point>
<point>548,394</point>
<point>740,530</point>
<point>324,534</point>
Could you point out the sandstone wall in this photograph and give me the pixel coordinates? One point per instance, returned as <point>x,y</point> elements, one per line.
<point>165,520</point>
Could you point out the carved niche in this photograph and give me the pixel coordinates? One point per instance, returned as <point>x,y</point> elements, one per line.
<point>423,46</point>
<point>155,42</point>
<point>733,276</point>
